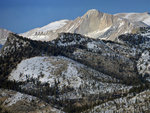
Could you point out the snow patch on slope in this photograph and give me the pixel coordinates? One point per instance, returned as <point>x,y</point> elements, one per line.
<point>53,26</point>
<point>136,17</point>
<point>17,97</point>
<point>91,45</point>
<point>44,33</point>
<point>98,32</point>
<point>67,72</point>
<point>143,65</point>
<point>45,69</point>
<point>147,21</point>
<point>129,104</point>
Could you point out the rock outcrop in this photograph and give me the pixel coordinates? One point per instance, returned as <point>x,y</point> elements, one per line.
<point>3,35</point>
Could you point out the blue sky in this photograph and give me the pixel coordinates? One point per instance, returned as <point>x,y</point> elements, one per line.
<point>22,15</point>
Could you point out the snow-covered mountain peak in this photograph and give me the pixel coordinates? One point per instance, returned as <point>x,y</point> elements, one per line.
<point>136,17</point>
<point>94,24</point>
<point>53,26</point>
<point>92,11</point>
<point>43,32</point>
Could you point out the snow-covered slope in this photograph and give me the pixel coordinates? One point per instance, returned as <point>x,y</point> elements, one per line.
<point>143,65</point>
<point>16,102</point>
<point>68,72</point>
<point>53,26</point>
<point>136,17</point>
<point>94,53</point>
<point>131,104</point>
<point>44,32</point>
<point>75,73</point>
<point>66,80</point>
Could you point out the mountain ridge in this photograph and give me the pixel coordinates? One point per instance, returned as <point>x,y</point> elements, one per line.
<point>143,17</point>
<point>94,24</point>
<point>74,73</point>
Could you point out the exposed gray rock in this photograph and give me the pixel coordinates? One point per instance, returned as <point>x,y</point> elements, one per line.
<point>3,35</point>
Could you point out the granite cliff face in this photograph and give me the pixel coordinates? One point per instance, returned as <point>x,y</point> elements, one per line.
<point>94,24</point>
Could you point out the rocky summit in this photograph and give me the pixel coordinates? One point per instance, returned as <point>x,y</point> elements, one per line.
<point>94,24</point>
<point>96,63</point>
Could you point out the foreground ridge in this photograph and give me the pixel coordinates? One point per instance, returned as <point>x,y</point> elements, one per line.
<point>75,73</point>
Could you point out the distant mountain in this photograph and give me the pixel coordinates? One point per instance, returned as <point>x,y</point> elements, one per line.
<point>136,17</point>
<point>94,24</point>
<point>3,35</point>
<point>46,33</point>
